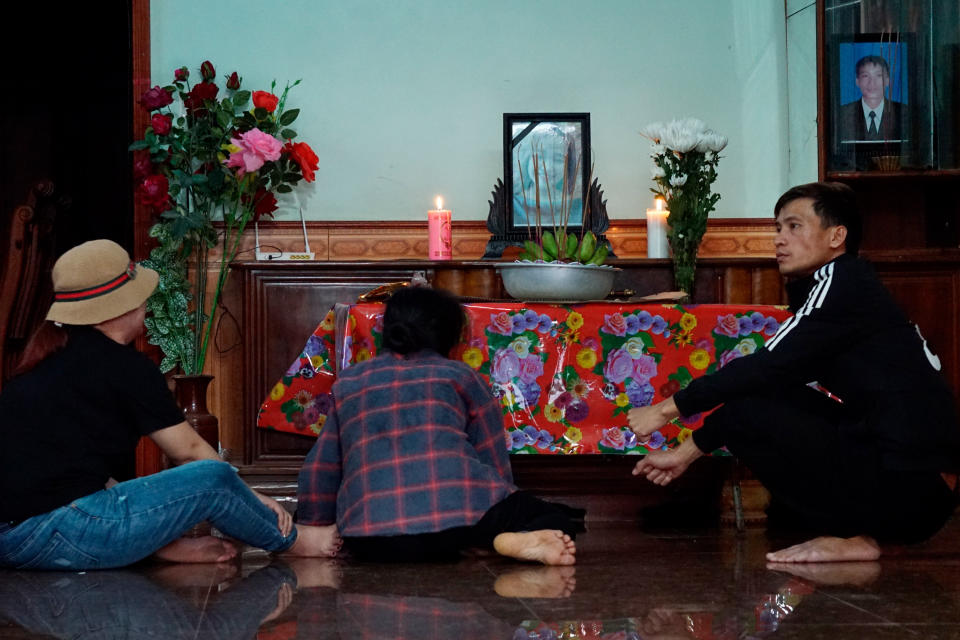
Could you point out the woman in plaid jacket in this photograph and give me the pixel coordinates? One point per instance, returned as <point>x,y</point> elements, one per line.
<point>412,462</point>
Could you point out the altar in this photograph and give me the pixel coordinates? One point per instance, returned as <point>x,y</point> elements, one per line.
<point>565,374</point>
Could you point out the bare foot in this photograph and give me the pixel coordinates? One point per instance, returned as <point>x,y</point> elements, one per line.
<point>538,582</point>
<point>203,549</point>
<point>315,572</point>
<point>193,575</point>
<point>832,573</point>
<point>829,549</point>
<point>548,546</point>
<point>316,542</point>
<point>284,598</point>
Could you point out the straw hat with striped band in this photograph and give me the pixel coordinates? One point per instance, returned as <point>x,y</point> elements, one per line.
<point>96,281</point>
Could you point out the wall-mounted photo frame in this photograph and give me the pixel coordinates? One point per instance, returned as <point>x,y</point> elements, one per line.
<point>874,87</point>
<point>546,168</point>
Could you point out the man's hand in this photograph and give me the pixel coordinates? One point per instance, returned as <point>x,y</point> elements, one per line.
<point>284,519</point>
<point>660,467</point>
<point>646,420</point>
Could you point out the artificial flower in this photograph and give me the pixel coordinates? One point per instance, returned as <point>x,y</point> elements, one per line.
<point>265,100</point>
<point>194,101</point>
<point>201,162</point>
<point>256,148</point>
<point>303,155</point>
<point>161,123</point>
<point>155,98</point>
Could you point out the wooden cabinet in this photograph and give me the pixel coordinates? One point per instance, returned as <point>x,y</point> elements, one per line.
<point>907,173</point>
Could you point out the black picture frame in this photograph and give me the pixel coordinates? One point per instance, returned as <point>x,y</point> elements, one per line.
<point>506,228</point>
<point>893,141</point>
<point>554,137</point>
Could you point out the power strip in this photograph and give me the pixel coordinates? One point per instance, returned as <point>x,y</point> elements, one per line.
<point>286,255</point>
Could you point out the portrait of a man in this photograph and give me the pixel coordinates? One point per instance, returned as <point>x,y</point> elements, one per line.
<point>874,116</point>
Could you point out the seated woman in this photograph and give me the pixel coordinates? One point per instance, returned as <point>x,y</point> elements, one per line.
<point>412,461</point>
<point>70,421</point>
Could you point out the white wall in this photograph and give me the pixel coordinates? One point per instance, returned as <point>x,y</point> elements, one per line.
<point>403,99</point>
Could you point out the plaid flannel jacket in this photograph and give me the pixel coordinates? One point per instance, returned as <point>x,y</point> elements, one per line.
<point>414,444</point>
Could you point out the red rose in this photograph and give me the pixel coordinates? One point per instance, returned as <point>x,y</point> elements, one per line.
<point>266,100</point>
<point>181,74</point>
<point>303,155</point>
<point>264,204</point>
<point>161,123</point>
<point>207,70</point>
<point>203,91</point>
<point>155,98</point>
<point>233,81</point>
<point>141,164</point>
<point>669,388</point>
<point>153,192</point>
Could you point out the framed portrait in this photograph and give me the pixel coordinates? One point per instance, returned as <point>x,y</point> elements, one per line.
<point>546,167</point>
<point>873,93</point>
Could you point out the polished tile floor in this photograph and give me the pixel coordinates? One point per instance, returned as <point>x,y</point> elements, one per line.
<point>628,583</point>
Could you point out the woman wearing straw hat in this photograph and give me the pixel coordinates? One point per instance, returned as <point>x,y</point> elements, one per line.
<point>70,421</point>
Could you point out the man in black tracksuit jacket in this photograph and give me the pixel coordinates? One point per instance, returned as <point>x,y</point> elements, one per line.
<point>844,415</point>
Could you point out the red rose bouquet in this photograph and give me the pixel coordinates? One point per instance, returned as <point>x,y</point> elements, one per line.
<point>208,156</point>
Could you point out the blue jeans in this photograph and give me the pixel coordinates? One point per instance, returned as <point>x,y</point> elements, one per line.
<point>128,522</point>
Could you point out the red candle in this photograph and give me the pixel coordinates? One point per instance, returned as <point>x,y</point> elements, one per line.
<point>438,229</point>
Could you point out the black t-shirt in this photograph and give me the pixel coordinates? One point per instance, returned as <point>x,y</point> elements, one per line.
<point>74,421</point>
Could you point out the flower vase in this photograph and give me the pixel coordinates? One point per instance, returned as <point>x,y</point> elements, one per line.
<point>190,392</point>
<point>686,229</point>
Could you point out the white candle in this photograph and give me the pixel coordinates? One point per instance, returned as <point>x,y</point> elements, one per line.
<point>438,229</point>
<point>657,246</point>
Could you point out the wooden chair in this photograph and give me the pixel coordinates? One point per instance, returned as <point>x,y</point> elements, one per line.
<point>25,286</point>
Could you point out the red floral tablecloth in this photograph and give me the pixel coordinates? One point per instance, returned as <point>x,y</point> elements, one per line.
<point>565,375</point>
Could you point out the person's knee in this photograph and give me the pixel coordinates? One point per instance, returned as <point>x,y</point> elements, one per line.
<point>212,474</point>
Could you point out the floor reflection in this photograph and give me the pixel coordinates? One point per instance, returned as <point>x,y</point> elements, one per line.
<point>173,601</point>
<point>627,584</point>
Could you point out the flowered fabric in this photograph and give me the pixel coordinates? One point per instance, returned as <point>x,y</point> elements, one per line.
<point>565,375</point>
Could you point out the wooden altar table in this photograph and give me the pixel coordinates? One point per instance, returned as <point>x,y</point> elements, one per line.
<point>565,375</point>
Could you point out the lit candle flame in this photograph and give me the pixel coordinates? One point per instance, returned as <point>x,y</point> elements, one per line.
<point>439,203</point>
<point>659,204</point>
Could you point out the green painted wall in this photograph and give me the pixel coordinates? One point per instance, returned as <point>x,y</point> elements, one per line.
<point>403,99</point>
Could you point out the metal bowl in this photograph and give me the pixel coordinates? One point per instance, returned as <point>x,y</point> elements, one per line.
<point>556,281</point>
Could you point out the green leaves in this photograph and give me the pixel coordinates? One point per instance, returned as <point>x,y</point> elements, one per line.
<point>241,98</point>
<point>288,117</point>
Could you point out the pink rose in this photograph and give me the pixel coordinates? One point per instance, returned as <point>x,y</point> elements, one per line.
<point>613,438</point>
<point>531,368</point>
<point>501,323</point>
<point>728,325</point>
<point>506,365</point>
<point>614,324</point>
<point>256,147</point>
<point>645,367</point>
<point>705,344</point>
<point>729,356</point>
<point>618,367</point>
